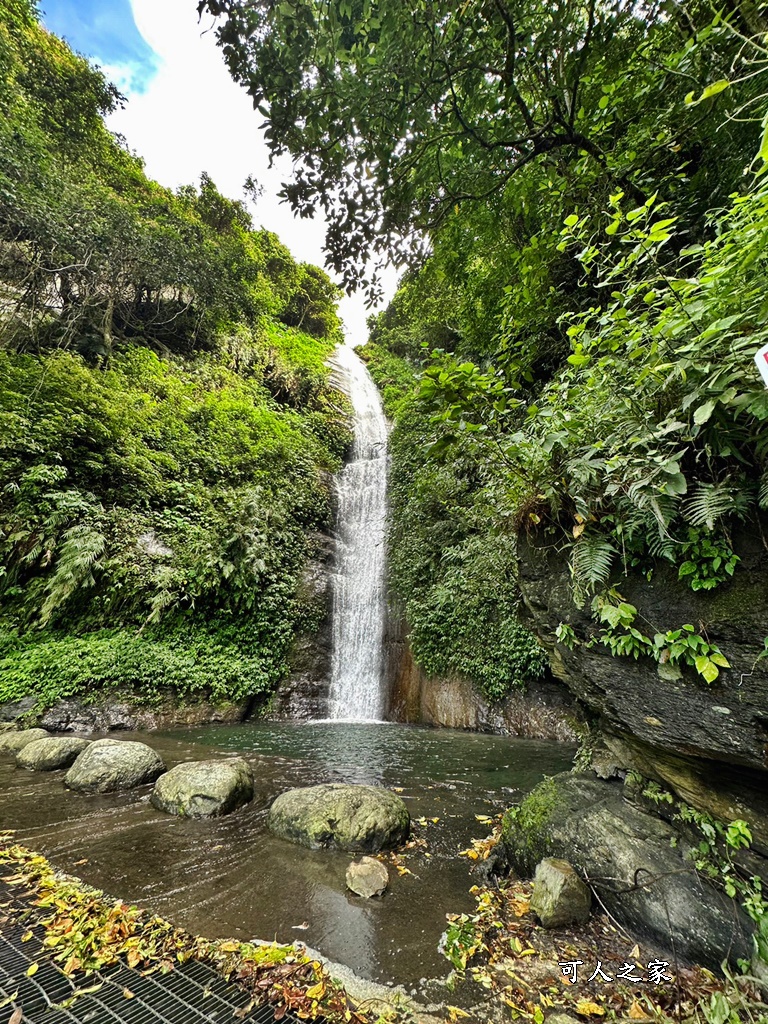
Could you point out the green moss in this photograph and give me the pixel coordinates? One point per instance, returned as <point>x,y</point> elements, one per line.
<point>524,829</point>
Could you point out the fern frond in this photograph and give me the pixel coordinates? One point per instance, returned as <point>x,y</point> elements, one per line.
<point>712,502</point>
<point>591,561</point>
<point>762,498</point>
<point>80,550</point>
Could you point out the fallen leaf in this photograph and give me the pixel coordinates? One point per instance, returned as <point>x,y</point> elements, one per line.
<point>586,1008</point>
<point>33,969</point>
<point>637,1012</point>
<point>16,1016</point>
<point>128,994</point>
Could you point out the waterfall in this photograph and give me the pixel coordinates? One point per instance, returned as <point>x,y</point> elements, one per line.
<point>359,604</point>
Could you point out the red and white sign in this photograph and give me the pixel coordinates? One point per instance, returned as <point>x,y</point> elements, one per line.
<point>761,358</point>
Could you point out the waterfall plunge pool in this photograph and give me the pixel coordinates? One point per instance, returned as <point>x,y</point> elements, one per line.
<point>231,877</point>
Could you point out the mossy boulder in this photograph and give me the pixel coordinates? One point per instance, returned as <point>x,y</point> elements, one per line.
<point>342,817</point>
<point>12,742</point>
<point>106,766</point>
<point>633,860</point>
<point>51,753</point>
<point>204,789</point>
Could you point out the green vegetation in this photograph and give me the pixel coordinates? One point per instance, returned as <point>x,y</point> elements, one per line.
<point>579,192</point>
<point>167,426</point>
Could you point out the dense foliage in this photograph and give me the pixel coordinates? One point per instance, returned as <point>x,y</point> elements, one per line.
<point>574,186</point>
<point>166,421</point>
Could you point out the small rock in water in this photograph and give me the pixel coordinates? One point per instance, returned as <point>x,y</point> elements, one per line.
<point>51,753</point>
<point>13,742</point>
<point>367,877</point>
<point>559,897</point>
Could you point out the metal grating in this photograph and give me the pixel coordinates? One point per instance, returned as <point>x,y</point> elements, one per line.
<point>190,994</point>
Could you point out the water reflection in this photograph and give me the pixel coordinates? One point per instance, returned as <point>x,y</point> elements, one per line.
<point>232,877</point>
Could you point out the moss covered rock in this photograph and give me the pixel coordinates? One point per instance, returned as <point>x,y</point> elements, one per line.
<point>634,862</point>
<point>342,817</point>
<point>12,742</point>
<point>106,766</point>
<point>204,789</point>
<point>51,753</point>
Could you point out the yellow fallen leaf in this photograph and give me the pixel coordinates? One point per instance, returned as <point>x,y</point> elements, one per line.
<point>637,1012</point>
<point>586,1008</point>
<point>316,991</point>
<point>454,1013</point>
<point>33,969</point>
<point>128,994</point>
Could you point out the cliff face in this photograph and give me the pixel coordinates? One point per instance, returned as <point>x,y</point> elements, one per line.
<point>546,710</point>
<point>705,742</point>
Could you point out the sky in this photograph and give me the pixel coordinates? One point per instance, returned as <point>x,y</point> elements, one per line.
<point>185,115</point>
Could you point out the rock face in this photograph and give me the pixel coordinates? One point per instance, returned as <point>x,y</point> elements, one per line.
<point>48,755</point>
<point>120,713</point>
<point>354,818</point>
<point>204,789</point>
<point>678,713</point>
<point>109,765</point>
<point>12,742</point>
<point>559,895</point>
<point>629,859</point>
<point>367,877</point>
<point>304,693</point>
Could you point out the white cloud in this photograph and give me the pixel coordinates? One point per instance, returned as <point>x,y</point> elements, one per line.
<point>191,117</point>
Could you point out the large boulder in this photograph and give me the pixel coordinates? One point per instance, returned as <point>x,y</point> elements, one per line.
<point>108,765</point>
<point>12,742</point>
<point>342,817</point>
<point>633,860</point>
<point>49,754</point>
<point>559,895</point>
<point>204,789</point>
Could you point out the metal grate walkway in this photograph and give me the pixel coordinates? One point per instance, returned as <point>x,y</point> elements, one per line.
<point>190,994</point>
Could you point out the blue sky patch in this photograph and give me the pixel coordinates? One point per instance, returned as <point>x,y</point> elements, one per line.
<point>107,33</point>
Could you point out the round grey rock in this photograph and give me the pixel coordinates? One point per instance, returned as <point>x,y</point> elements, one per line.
<point>559,897</point>
<point>341,817</point>
<point>49,754</point>
<point>204,789</point>
<point>367,877</point>
<point>109,765</point>
<point>12,742</point>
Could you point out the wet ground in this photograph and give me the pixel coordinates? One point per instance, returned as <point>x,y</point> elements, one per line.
<point>230,877</point>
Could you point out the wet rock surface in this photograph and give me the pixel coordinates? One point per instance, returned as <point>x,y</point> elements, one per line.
<point>12,742</point>
<point>106,766</point>
<point>367,877</point>
<point>204,789</point>
<point>343,817</point>
<point>51,754</point>
<point>628,857</point>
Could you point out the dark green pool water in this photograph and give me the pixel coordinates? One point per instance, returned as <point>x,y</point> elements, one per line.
<point>230,877</point>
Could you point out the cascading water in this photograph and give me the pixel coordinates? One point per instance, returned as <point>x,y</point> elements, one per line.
<point>356,690</point>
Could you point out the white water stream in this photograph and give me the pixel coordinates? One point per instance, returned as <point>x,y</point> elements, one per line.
<point>359,602</point>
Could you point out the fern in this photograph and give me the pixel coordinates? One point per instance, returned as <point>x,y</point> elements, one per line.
<point>712,502</point>
<point>80,551</point>
<point>591,561</point>
<point>762,498</point>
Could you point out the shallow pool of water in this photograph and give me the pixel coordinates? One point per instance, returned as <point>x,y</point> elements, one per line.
<point>231,877</point>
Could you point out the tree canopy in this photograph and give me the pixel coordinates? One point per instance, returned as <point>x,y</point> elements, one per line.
<point>398,112</point>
